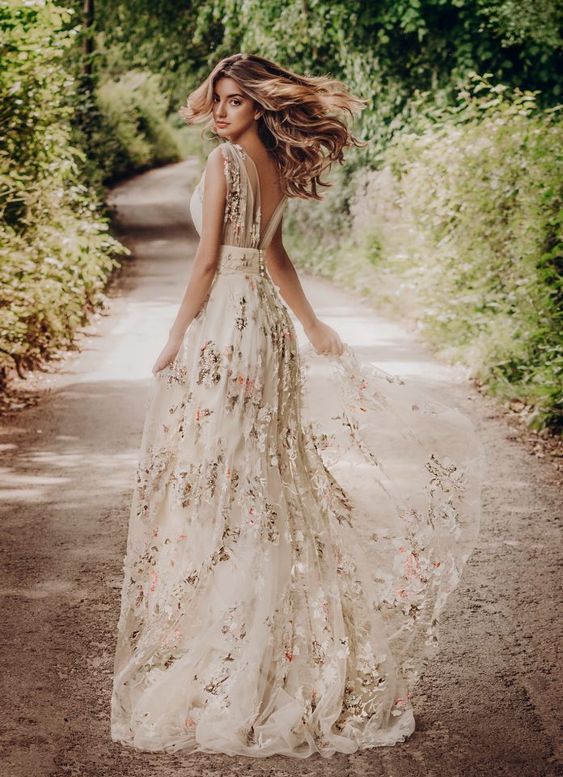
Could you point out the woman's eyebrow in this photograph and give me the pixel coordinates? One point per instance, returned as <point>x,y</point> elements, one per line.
<point>235,94</point>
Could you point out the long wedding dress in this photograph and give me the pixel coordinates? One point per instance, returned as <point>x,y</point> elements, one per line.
<point>297,524</point>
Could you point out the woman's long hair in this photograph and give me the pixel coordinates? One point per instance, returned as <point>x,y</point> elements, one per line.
<point>303,117</point>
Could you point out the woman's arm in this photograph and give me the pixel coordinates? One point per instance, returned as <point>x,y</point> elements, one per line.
<point>280,267</point>
<point>206,258</point>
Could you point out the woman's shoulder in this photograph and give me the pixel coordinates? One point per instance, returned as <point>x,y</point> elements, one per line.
<point>220,165</point>
<point>223,149</point>
<point>216,158</point>
<point>221,156</point>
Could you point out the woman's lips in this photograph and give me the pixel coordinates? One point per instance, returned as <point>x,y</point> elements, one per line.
<point>221,123</point>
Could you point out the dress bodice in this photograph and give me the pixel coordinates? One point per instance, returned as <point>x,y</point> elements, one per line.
<point>242,223</point>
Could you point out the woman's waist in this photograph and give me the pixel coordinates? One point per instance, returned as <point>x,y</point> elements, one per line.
<point>241,259</point>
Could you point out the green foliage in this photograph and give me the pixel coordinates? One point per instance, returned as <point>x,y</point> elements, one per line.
<point>134,133</point>
<point>391,50</point>
<point>450,213</point>
<point>386,51</point>
<point>483,185</point>
<point>176,40</point>
<point>461,232</point>
<point>55,250</point>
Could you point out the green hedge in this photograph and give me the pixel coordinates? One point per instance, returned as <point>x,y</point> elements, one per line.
<point>484,189</point>
<point>134,133</point>
<point>56,252</point>
<point>460,230</point>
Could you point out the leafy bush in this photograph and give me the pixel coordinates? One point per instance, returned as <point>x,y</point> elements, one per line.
<point>483,186</point>
<point>55,250</point>
<point>134,133</point>
<point>461,232</point>
<point>386,51</point>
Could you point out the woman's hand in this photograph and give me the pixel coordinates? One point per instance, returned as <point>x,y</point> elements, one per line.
<point>168,354</point>
<point>324,338</point>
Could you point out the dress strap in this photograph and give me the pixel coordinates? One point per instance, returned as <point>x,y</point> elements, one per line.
<point>250,181</point>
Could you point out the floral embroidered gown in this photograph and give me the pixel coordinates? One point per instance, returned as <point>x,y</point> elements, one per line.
<point>297,524</point>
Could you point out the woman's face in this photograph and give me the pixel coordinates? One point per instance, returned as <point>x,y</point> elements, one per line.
<point>233,112</point>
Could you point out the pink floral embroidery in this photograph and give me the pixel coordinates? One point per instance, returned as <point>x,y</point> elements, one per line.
<point>411,565</point>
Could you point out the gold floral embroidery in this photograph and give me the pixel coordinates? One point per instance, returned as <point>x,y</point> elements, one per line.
<point>241,320</point>
<point>209,366</point>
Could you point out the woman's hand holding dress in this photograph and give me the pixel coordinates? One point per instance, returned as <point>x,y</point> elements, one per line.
<point>167,355</point>
<point>324,339</point>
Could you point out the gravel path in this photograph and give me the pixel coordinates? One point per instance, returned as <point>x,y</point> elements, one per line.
<point>489,705</point>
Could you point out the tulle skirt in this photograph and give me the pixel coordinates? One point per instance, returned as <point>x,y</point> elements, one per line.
<point>297,524</point>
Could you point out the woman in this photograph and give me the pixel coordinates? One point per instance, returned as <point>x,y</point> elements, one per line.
<point>299,516</point>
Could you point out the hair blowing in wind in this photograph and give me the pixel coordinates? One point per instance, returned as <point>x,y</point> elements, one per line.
<point>304,119</point>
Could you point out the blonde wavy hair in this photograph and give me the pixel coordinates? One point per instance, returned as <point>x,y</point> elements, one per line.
<point>303,121</point>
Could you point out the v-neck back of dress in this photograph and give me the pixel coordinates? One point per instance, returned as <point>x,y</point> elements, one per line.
<point>243,212</point>
<point>255,187</point>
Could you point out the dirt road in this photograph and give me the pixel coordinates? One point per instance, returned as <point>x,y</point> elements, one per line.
<point>487,707</point>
